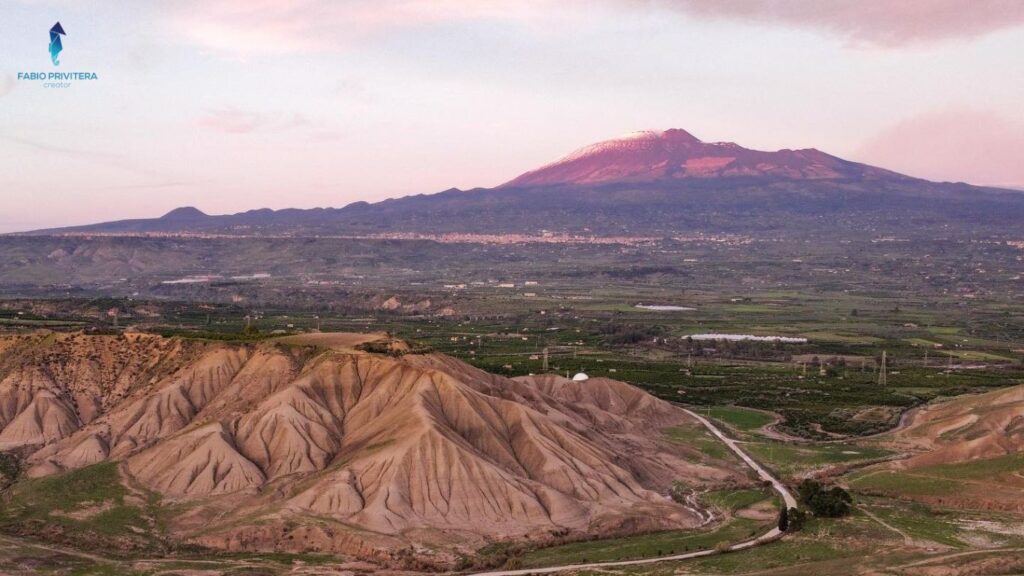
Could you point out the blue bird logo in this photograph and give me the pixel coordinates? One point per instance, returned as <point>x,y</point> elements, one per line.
<point>55,45</point>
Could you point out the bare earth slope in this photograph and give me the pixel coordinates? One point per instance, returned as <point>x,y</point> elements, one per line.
<point>293,446</point>
<point>967,428</point>
<point>963,453</point>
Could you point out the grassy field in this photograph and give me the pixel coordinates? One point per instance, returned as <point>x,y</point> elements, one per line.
<point>645,546</point>
<point>32,323</point>
<point>992,482</point>
<point>87,507</point>
<point>789,553</point>
<point>822,547</point>
<point>899,484</point>
<point>795,459</point>
<point>733,500</point>
<point>1006,467</point>
<point>743,419</point>
<point>955,528</point>
<point>20,558</point>
<point>922,523</point>
<point>701,439</point>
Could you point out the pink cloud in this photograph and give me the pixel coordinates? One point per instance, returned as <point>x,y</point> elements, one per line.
<point>886,23</point>
<point>953,145</point>
<point>274,27</point>
<point>242,27</point>
<point>242,122</point>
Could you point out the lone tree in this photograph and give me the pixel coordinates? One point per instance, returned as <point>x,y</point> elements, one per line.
<point>796,518</point>
<point>783,519</point>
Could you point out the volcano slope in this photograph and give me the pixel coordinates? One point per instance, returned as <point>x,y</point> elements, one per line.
<point>315,445</point>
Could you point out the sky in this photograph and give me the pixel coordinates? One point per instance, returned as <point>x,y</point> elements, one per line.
<point>230,105</point>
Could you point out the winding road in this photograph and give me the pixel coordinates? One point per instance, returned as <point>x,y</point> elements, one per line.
<point>771,535</point>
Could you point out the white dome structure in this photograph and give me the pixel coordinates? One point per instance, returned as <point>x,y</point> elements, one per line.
<point>580,377</point>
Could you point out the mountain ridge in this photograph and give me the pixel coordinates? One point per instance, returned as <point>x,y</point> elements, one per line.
<point>649,183</point>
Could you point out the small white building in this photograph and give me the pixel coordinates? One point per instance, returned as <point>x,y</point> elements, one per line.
<point>580,377</point>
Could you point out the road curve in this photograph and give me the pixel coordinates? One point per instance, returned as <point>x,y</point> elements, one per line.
<point>777,484</point>
<point>771,535</point>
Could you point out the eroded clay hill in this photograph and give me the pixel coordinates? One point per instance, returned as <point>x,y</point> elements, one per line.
<point>322,447</point>
<point>966,428</point>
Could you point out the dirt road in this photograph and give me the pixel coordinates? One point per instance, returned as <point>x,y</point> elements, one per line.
<point>771,535</point>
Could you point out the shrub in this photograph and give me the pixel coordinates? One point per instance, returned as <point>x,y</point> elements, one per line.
<point>831,502</point>
<point>797,518</point>
<point>10,468</point>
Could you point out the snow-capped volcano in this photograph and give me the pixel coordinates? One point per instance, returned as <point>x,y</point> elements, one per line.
<point>671,154</point>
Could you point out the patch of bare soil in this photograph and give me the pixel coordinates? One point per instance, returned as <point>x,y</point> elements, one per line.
<point>761,511</point>
<point>86,512</point>
<point>970,564</point>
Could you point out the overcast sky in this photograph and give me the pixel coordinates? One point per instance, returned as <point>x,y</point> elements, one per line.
<point>229,105</point>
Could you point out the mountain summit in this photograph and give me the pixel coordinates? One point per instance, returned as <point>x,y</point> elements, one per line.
<point>184,213</point>
<point>651,156</point>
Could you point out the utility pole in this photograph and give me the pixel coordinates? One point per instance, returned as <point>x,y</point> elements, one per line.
<point>925,357</point>
<point>881,371</point>
<point>545,368</point>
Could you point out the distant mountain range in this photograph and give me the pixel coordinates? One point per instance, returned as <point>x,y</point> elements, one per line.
<point>646,183</point>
